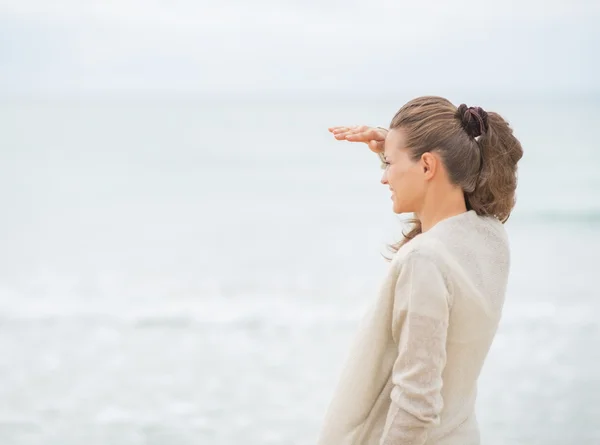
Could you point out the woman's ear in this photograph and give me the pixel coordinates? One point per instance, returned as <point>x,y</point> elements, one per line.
<point>429,164</point>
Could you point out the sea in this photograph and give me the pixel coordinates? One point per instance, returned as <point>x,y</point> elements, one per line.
<point>192,270</point>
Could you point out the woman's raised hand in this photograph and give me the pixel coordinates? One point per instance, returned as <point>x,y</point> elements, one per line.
<point>374,137</point>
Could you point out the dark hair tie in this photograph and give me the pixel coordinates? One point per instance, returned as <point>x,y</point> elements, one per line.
<point>474,120</point>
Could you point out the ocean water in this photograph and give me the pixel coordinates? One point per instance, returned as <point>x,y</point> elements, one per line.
<point>192,271</point>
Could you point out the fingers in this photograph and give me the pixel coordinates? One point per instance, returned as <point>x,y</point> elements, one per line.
<point>340,133</point>
<point>373,137</point>
<point>359,133</point>
<point>337,128</point>
<point>365,135</point>
<point>341,129</point>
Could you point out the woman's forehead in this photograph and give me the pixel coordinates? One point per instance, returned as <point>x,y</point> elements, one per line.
<point>394,141</point>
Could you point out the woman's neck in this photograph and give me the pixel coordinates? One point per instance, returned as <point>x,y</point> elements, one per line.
<point>436,210</point>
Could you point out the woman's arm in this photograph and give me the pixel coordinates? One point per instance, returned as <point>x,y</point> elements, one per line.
<point>420,324</point>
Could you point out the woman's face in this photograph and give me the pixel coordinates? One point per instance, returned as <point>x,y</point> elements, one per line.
<point>404,176</point>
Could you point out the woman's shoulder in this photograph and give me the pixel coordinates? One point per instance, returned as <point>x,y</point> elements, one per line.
<point>459,250</point>
<point>422,247</point>
<point>467,234</point>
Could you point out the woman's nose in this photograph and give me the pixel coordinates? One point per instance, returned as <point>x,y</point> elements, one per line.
<point>384,180</point>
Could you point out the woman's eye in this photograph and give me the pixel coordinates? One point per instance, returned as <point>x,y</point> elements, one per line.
<point>384,162</point>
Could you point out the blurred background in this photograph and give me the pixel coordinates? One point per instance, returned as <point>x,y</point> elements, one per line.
<point>185,251</point>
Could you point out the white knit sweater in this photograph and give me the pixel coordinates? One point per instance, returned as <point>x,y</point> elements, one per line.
<point>411,375</point>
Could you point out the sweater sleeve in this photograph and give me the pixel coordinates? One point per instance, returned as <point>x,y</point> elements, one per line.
<point>420,324</point>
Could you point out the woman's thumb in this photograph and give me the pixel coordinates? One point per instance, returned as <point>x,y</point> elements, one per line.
<point>374,146</point>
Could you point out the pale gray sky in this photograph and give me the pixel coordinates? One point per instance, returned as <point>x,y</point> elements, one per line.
<point>80,46</point>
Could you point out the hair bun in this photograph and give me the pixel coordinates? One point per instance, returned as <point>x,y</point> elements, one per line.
<point>474,120</point>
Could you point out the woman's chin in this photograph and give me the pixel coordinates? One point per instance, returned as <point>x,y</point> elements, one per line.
<point>399,208</point>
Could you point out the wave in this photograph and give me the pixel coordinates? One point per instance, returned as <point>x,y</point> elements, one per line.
<point>246,312</point>
<point>253,313</point>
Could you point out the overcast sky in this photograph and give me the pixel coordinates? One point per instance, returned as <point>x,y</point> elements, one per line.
<point>80,46</point>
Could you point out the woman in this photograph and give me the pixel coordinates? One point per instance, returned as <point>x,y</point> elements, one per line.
<point>411,375</point>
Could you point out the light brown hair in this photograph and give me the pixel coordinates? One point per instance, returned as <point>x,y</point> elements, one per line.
<point>477,148</point>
